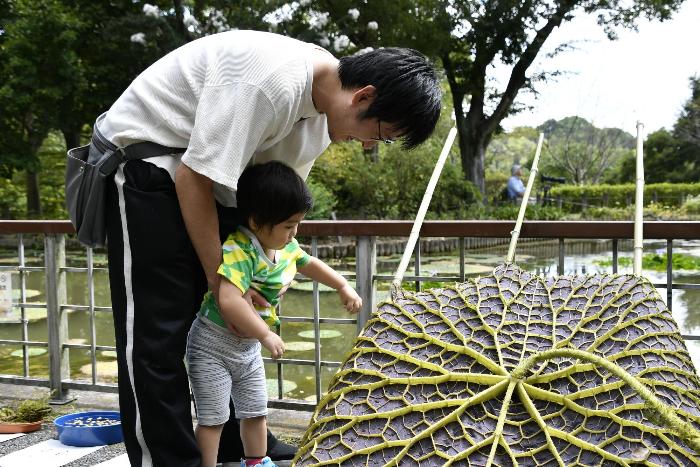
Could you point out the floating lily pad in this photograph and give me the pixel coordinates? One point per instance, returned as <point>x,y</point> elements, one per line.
<point>77,340</point>
<point>28,294</point>
<point>109,353</point>
<point>452,267</point>
<point>299,346</point>
<point>15,316</point>
<point>287,386</point>
<point>107,369</point>
<point>32,351</point>
<point>324,333</point>
<point>312,397</point>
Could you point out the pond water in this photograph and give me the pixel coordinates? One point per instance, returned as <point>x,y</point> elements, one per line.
<point>337,339</point>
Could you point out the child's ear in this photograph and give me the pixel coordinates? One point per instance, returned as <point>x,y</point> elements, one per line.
<point>253,225</point>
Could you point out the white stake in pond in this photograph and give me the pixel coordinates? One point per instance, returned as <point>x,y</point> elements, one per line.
<point>515,234</point>
<point>413,237</point>
<point>639,204</point>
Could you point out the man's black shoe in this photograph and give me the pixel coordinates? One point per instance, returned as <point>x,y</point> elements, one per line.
<point>279,450</point>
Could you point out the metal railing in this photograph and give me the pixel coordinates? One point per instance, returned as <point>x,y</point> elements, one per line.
<point>366,233</point>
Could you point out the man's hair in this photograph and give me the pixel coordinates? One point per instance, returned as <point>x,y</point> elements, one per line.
<point>271,193</point>
<point>408,89</point>
<point>514,169</point>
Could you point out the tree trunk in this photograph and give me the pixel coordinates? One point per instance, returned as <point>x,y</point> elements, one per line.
<point>33,199</point>
<point>71,137</point>
<point>472,147</point>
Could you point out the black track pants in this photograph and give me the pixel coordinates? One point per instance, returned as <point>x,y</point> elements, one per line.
<point>157,285</point>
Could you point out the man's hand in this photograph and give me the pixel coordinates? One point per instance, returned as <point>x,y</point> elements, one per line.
<point>349,298</point>
<point>274,344</point>
<point>253,297</point>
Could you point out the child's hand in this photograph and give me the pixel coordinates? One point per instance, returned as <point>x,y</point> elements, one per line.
<point>274,344</point>
<point>349,298</point>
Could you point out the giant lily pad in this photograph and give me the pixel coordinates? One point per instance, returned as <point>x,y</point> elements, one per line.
<point>514,369</point>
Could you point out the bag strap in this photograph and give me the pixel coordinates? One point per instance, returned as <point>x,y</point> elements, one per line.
<point>142,150</point>
<point>146,149</point>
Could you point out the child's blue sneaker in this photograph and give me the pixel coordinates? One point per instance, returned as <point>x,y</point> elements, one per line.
<point>266,462</point>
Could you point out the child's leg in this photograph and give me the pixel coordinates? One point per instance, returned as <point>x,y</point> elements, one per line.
<point>208,442</point>
<point>254,437</point>
<point>249,391</point>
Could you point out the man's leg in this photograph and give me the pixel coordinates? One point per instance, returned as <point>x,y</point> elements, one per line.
<point>156,285</point>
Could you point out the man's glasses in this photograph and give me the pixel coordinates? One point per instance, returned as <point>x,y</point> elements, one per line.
<point>383,140</point>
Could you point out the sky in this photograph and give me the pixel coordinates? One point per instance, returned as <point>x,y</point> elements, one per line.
<point>641,76</point>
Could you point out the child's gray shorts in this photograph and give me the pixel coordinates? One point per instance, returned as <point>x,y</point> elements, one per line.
<point>222,366</point>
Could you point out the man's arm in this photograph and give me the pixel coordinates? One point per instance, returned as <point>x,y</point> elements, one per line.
<point>196,197</point>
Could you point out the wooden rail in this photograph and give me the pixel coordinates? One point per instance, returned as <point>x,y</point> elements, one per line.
<point>689,230</point>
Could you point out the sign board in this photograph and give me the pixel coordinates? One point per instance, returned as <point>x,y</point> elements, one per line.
<point>5,293</point>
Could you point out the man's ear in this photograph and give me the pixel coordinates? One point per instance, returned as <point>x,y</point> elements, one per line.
<point>364,95</point>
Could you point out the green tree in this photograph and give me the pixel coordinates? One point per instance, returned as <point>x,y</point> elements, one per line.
<point>687,127</point>
<point>115,42</point>
<point>506,149</point>
<point>672,156</point>
<point>468,37</point>
<point>582,153</point>
<point>39,73</point>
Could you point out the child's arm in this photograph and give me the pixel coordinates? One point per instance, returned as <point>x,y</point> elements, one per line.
<point>319,271</point>
<point>237,312</point>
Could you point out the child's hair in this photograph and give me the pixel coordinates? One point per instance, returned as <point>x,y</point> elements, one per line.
<point>271,193</point>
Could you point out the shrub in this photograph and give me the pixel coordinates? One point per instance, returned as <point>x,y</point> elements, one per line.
<point>324,201</point>
<point>533,212</point>
<point>12,200</point>
<point>666,194</point>
<point>692,205</point>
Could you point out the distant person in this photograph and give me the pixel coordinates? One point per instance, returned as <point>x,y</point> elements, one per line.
<point>515,186</point>
<point>261,254</point>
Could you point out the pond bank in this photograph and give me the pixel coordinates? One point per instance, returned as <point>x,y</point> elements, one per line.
<point>430,245</point>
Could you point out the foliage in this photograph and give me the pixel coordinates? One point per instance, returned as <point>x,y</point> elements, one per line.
<point>666,159</point>
<point>469,39</point>
<point>692,205</point>
<point>26,411</point>
<point>389,183</point>
<point>532,212</point>
<point>609,214</point>
<point>580,152</point>
<point>52,162</point>
<point>513,369</point>
<point>12,203</point>
<point>656,262</point>
<point>392,186</point>
<point>324,201</point>
<point>687,128</point>
<point>38,75</point>
<point>507,149</point>
<point>668,194</point>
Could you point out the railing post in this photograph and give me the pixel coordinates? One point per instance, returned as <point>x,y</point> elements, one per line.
<point>365,270</point>
<point>57,319</point>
